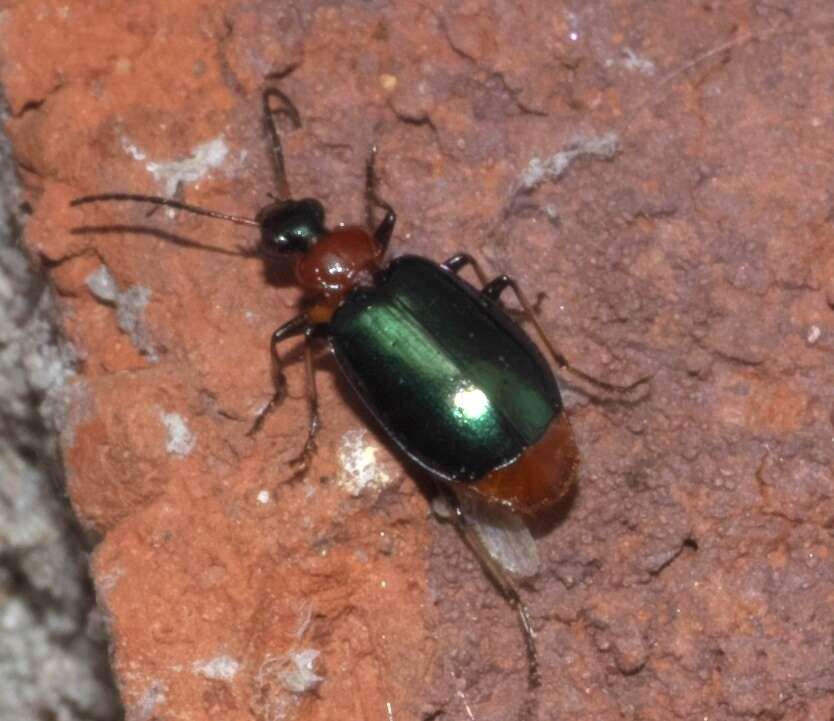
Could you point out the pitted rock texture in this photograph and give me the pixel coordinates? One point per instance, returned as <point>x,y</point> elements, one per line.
<point>661,175</point>
<point>53,647</point>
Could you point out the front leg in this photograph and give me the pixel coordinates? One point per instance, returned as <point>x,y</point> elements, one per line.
<point>287,109</point>
<point>384,231</point>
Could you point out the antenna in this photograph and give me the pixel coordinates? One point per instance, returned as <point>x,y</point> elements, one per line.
<point>155,200</point>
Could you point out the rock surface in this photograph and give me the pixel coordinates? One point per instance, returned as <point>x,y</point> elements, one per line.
<point>53,653</point>
<point>665,181</point>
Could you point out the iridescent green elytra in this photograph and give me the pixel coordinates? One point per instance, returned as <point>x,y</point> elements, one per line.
<point>452,379</point>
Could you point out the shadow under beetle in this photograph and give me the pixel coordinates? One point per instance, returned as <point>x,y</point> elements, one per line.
<point>450,377</point>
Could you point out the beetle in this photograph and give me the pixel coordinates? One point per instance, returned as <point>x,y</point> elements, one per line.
<point>449,376</point>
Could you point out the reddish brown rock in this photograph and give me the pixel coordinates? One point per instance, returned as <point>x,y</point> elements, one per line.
<point>675,212</point>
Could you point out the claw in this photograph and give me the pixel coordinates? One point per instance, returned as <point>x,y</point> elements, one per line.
<point>275,401</point>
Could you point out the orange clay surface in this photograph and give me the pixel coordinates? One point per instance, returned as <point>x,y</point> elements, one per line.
<point>678,228</point>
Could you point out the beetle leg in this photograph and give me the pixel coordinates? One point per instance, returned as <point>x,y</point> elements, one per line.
<point>294,326</point>
<point>271,112</point>
<point>383,232</point>
<point>505,585</point>
<point>303,459</point>
<point>458,262</point>
<point>493,290</point>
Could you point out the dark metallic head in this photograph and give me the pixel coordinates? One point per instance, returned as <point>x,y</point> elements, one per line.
<point>291,226</point>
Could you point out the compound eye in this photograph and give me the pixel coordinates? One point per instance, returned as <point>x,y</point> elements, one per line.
<point>292,226</point>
